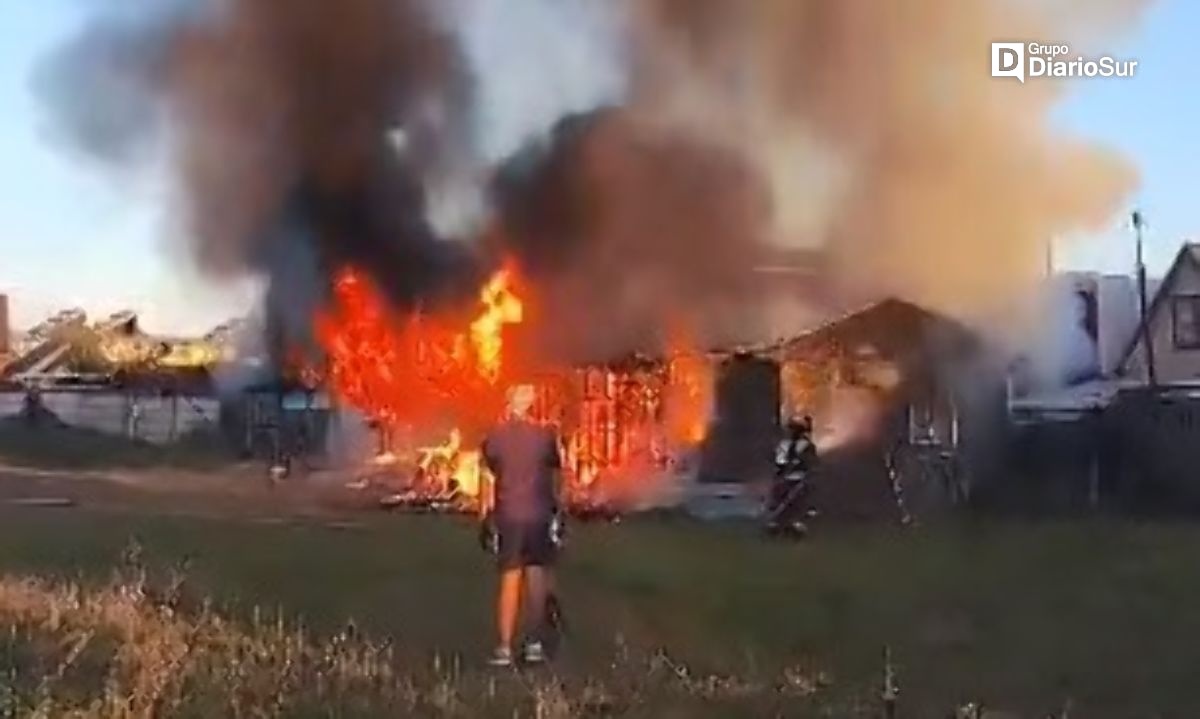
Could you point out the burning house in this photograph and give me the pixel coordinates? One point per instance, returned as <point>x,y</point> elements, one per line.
<point>640,431</point>
<point>427,386</point>
<point>419,389</point>
<point>439,205</point>
<point>888,387</point>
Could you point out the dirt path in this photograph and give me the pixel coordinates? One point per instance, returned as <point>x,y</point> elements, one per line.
<point>239,492</point>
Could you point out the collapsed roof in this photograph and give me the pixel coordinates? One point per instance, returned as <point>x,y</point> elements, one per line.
<point>67,346</point>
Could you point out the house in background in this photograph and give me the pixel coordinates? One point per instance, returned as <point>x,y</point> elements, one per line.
<point>1173,320</point>
<point>1061,389</point>
<point>1087,321</point>
<point>1113,439</point>
<point>1154,430</point>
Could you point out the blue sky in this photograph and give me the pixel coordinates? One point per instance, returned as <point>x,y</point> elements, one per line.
<point>71,235</point>
<point>1153,119</point>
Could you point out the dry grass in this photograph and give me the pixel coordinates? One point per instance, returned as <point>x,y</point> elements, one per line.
<point>113,652</point>
<point>140,648</point>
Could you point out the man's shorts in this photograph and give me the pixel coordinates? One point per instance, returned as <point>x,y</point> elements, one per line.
<point>525,544</point>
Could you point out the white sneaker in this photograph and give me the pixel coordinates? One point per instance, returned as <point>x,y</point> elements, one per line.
<point>534,653</point>
<point>502,657</point>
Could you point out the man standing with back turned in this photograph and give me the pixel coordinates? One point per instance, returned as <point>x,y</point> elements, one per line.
<point>524,462</point>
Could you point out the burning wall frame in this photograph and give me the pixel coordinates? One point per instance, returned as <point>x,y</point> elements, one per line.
<point>618,423</point>
<point>632,415</point>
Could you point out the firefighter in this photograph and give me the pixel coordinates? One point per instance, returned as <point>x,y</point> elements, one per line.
<point>795,456</point>
<point>522,525</point>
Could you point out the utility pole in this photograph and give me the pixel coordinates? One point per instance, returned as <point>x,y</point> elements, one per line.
<point>891,691</point>
<point>1139,225</point>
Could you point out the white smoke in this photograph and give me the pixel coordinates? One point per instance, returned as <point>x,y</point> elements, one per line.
<point>1063,351</point>
<point>854,416</point>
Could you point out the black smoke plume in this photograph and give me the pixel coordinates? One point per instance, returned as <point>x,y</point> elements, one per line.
<point>630,232</point>
<point>306,134</point>
<point>279,122</point>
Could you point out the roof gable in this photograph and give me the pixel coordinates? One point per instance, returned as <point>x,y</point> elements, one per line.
<point>1187,258</point>
<point>892,327</point>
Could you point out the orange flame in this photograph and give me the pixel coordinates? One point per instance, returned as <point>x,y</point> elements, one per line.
<point>689,392</point>
<point>416,369</point>
<point>444,375</point>
<point>449,463</point>
<point>501,307</point>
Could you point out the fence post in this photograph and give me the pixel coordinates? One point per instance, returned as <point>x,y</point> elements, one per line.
<point>1094,460</point>
<point>891,691</point>
<point>249,417</point>
<point>132,414</point>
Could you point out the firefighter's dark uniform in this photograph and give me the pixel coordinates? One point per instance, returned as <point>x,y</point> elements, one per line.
<point>793,460</point>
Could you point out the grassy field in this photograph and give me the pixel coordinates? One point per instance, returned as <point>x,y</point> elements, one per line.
<point>672,618</point>
<point>78,448</point>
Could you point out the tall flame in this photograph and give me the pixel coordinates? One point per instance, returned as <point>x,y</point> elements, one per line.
<point>689,391</point>
<point>501,307</point>
<point>418,368</point>
<point>440,378</point>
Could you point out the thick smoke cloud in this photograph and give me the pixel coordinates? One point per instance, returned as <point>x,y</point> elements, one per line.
<point>640,156</point>
<point>629,231</point>
<point>921,174</point>
<point>281,120</point>
<point>874,134</point>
